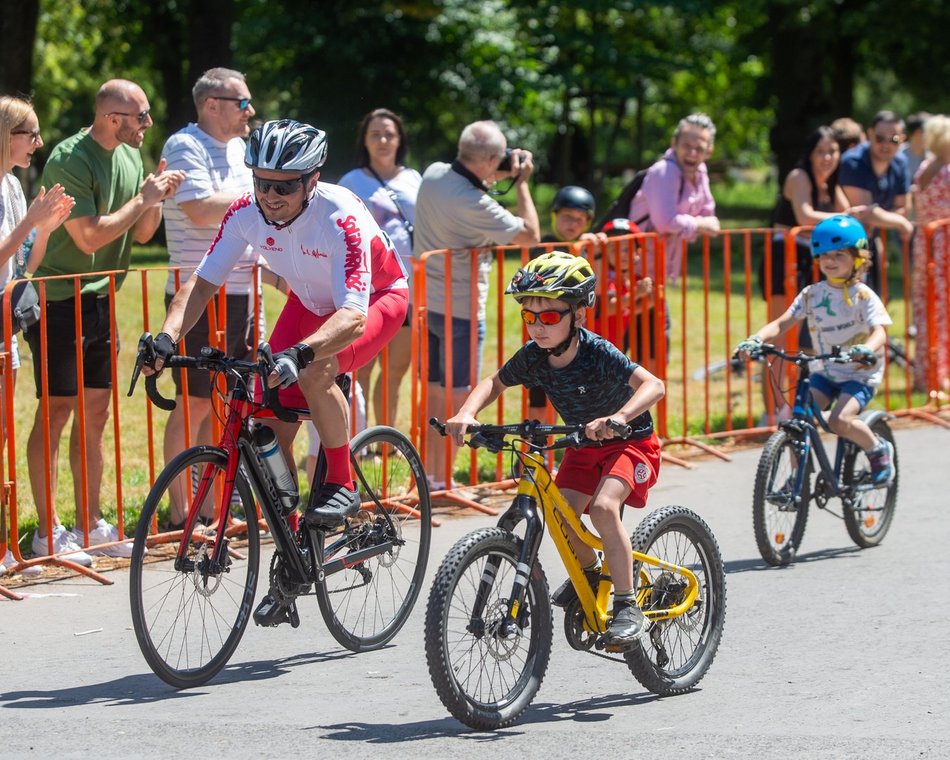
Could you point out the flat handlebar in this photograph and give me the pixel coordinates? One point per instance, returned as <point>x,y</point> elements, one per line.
<point>492,437</point>
<point>799,358</point>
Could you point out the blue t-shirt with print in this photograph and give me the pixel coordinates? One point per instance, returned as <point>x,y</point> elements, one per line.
<point>595,384</point>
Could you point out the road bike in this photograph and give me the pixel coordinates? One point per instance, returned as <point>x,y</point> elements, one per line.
<point>189,613</point>
<point>783,480</point>
<point>489,627</point>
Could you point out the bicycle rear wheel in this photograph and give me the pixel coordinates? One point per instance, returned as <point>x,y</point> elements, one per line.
<point>679,651</point>
<point>870,517</point>
<point>189,621</point>
<point>484,675</point>
<point>365,602</point>
<point>778,520</point>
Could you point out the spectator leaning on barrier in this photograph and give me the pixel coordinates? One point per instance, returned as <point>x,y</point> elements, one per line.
<point>675,200</point>
<point>102,168</point>
<point>874,174</point>
<point>210,152</point>
<point>24,233</point>
<point>455,210</point>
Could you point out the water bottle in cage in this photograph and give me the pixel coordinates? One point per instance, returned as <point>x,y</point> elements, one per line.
<point>265,442</point>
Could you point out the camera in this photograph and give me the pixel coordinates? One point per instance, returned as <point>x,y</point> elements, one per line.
<point>505,165</point>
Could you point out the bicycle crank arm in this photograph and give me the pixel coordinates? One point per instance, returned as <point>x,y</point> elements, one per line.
<point>356,557</point>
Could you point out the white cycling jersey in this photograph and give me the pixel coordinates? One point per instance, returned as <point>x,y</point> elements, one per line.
<point>333,255</point>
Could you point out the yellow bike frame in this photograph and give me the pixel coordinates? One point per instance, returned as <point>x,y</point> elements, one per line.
<point>536,484</point>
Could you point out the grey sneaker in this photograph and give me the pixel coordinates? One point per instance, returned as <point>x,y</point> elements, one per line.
<point>882,463</point>
<point>628,625</point>
<point>331,505</point>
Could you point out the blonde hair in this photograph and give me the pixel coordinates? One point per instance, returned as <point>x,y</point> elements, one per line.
<point>937,134</point>
<point>13,112</point>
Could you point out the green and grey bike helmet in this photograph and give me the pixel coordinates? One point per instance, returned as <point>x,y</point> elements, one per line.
<point>556,274</point>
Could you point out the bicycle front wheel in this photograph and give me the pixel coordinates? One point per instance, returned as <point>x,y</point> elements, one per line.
<point>870,516</point>
<point>188,621</point>
<point>376,561</point>
<point>485,674</point>
<point>778,513</point>
<point>680,650</point>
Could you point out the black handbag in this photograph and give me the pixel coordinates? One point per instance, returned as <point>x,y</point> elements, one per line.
<point>24,307</point>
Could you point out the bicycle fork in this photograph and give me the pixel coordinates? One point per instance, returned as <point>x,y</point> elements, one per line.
<point>515,618</point>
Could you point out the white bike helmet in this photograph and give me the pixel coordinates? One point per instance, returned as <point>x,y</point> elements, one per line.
<point>286,146</point>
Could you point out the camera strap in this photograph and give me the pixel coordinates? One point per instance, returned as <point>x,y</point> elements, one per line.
<point>459,168</point>
<point>395,199</point>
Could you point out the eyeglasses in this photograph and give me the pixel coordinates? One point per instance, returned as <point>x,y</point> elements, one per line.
<point>242,103</point>
<point>281,186</point>
<point>548,317</point>
<point>33,133</point>
<point>141,116</point>
<point>885,139</point>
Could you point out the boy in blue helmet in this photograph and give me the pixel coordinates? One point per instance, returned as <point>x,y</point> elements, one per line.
<point>841,311</point>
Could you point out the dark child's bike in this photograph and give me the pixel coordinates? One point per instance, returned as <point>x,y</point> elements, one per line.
<point>784,484</point>
<point>489,627</point>
<point>190,610</point>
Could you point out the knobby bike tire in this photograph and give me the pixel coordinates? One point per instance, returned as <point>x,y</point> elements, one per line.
<point>679,651</point>
<point>485,679</point>
<point>189,622</point>
<point>779,523</point>
<point>365,604</point>
<point>869,519</point>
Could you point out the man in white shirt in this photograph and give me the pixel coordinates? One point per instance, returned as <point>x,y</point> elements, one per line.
<point>211,153</point>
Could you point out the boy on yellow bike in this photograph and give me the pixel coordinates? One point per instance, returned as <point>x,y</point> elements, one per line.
<point>841,311</point>
<point>588,381</point>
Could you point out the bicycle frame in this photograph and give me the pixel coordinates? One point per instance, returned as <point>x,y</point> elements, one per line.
<point>238,448</point>
<point>536,486</point>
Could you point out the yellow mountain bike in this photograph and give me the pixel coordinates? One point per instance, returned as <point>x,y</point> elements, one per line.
<point>488,627</point>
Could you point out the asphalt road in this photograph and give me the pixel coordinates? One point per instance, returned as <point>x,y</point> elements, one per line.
<point>841,655</point>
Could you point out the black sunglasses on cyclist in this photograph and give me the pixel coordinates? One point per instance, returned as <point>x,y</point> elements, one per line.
<point>281,186</point>
<point>242,103</point>
<point>548,317</point>
<point>142,116</point>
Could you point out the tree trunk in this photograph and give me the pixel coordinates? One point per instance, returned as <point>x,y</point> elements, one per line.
<point>18,34</point>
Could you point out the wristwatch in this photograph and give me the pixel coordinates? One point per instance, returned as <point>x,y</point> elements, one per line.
<point>304,354</point>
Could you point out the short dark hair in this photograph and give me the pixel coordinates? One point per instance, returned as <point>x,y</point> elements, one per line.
<point>887,117</point>
<point>916,121</point>
<point>362,155</point>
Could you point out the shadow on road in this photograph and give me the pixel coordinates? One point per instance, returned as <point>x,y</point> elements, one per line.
<point>144,688</point>
<point>754,565</point>
<point>593,710</point>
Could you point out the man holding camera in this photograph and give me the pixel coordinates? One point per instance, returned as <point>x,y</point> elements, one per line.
<point>455,210</point>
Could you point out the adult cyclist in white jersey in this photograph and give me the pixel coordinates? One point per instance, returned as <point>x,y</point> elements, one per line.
<point>349,292</point>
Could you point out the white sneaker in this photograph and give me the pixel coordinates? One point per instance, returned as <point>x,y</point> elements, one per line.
<point>104,533</point>
<point>9,563</point>
<point>63,541</point>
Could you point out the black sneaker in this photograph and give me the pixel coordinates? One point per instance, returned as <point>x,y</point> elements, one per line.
<point>565,593</point>
<point>331,505</point>
<point>882,463</point>
<point>628,625</point>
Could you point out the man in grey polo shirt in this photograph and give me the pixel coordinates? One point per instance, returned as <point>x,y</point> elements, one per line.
<point>454,210</point>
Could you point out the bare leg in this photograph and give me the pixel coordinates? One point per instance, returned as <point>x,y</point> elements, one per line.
<point>60,407</point>
<point>96,416</point>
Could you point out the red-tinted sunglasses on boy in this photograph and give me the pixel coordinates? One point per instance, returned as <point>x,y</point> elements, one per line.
<point>547,317</point>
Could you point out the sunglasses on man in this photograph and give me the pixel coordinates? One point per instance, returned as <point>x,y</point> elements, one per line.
<point>887,138</point>
<point>281,186</point>
<point>242,103</point>
<point>548,317</point>
<point>142,116</point>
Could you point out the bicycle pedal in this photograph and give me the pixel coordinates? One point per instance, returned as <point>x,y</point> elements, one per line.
<point>270,613</point>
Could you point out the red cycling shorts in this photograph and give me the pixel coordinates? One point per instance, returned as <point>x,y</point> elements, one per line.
<point>385,315</point>
<point>636,463</point>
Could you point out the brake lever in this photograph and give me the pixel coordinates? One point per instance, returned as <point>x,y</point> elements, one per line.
<point>146,347</point>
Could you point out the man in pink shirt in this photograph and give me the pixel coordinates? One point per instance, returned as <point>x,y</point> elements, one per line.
<point>675,199</point>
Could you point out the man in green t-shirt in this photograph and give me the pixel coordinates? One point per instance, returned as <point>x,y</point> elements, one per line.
<point>101,167</point>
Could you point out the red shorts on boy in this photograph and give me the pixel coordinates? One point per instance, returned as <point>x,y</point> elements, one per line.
<point>637,463</point>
